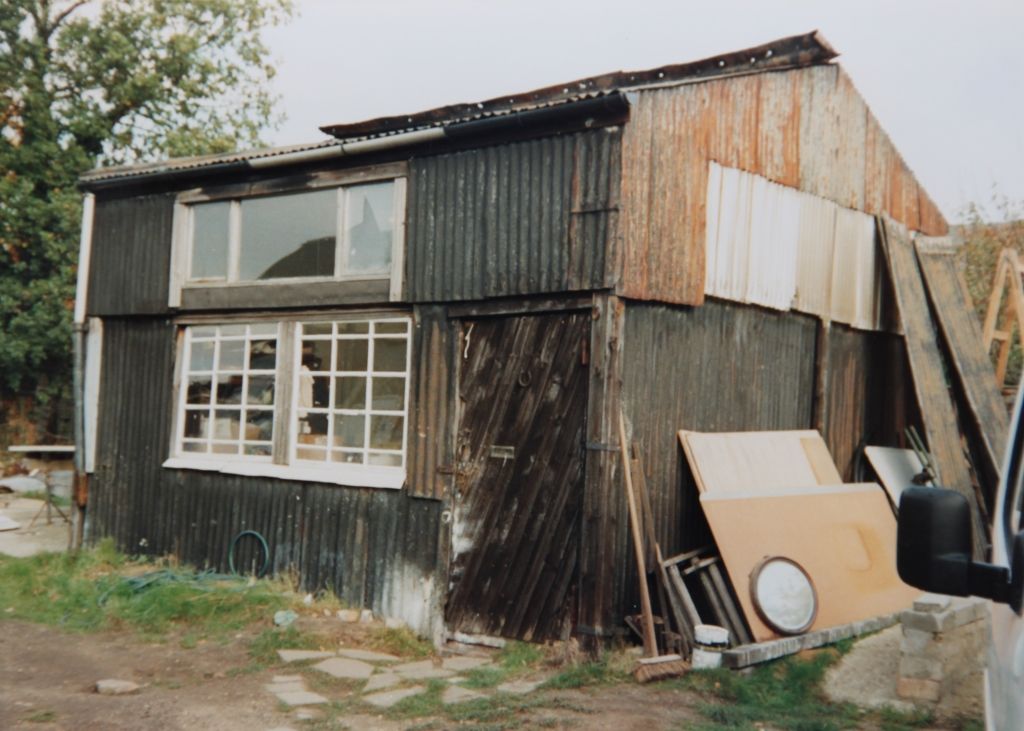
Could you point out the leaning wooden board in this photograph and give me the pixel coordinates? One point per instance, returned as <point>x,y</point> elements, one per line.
<point>742,461</point>
<point>971,365</point>
<point>942,431</point>
<point>843,537</point>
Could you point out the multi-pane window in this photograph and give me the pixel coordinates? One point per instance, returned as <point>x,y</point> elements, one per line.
<point>344,416</point>
<point>344,232</point>
<point>353,385</point>
<point>228,395</point>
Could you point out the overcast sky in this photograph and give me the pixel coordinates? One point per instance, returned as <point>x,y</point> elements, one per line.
<point>945,79</point>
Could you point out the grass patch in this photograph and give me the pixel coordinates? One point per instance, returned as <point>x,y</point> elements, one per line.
<point>785,695</point>
<point>603,671</point>
<point>102,589</point>
<point>402,642</point>
<point>41,717</point>
<point>520,655</point>
<point>263,648</point>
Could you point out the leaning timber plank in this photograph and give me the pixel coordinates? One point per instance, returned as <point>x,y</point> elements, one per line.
<point>679,586</point>
<point>746,655</point>
<point>936,404</point>
<point>683,623</point>
<point>680,557</point>
<point>717,605</point>
<point>743,635</point>
<point>963,338</point>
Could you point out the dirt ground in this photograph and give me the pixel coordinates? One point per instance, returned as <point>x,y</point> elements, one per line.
<point>47,681</point>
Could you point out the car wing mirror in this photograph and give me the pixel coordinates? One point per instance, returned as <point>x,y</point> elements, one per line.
<point>933,550</point>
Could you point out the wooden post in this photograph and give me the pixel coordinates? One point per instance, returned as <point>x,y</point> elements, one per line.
<point>650,643</point>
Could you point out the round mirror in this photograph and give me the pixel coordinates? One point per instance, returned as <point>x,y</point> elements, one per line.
<point>783,595</point>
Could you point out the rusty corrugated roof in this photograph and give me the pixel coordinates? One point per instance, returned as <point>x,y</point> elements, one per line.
<point>791,52</point>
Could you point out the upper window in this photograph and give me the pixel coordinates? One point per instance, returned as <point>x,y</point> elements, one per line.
<point>311,399</point>
<point>347,232</point>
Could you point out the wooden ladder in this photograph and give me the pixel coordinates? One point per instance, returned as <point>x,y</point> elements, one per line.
<point>1001,317</point>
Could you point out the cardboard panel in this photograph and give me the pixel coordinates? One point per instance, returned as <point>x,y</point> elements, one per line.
<point>843,537</point>
<point>730,462</point>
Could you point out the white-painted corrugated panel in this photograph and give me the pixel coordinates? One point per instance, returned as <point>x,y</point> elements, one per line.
<point>775,246</point>
<point>855,234</point>
<point>814,255</point>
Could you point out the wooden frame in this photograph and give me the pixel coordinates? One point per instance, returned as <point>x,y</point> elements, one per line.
<point>1000,318</point>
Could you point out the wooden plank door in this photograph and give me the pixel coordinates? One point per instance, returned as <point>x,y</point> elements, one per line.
<point>519,484</point>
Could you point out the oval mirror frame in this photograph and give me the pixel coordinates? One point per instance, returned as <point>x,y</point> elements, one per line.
<point>791,583</point>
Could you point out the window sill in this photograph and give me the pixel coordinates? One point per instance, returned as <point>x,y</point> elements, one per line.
<point>389,478</point>
<point>280,293</point>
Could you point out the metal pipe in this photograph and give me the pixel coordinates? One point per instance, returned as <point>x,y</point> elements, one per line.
<point>78,381</point>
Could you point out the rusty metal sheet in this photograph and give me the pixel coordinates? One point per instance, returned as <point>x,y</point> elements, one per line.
<point>971,365</point>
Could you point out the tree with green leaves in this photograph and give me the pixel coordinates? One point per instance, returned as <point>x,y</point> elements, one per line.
<point>87,82</point>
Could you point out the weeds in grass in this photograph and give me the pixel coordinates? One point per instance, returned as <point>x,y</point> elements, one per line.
<point>891,719</point>
<point>599,672</point>
<point>100,588</point>
<point>59,500</point>
<point>263,649</point>
<point>41,717</point>
<point>403,642</point>
<point>520,655</point>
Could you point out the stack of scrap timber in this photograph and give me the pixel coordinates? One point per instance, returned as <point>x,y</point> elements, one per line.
<point>922,271</point>
<point>774,497</point>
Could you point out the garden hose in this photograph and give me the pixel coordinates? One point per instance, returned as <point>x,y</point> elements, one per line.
<point>263,544</point>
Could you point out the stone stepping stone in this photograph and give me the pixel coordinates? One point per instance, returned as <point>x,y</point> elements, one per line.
<point>454,694</point>
<point>290,687</point>
<point>344,667</point>
<point>520,687</point>
<point>114,686</point>
<point>286,679</point>
<point>381,681</point>
<point>367,655</point>
<point>422,670</point>
<point>462,663</point>
<point>301,698</point>
<point>388,698</point>
<point>298,655</point>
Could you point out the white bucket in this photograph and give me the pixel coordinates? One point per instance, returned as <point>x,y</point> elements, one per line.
<point>710,640</point>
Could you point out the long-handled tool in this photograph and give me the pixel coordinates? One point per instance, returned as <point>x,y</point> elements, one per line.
<point>652,667</point>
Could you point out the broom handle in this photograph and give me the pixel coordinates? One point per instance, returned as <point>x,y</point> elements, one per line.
<point>650,643</point>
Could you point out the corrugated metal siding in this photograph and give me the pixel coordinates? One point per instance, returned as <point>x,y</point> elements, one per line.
<point>131,256</point>
<point>866,401</point>
<point>729,367</point>
<point>374,548</point>
<point>522,218</point>
<point>805,128</point>
<point>720,367</point>
<point>782,248</point>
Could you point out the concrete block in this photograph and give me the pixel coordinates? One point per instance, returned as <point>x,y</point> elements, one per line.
<point>301,698</point>
<point>915,641</point>
<point>293,687</point>
<point>113,686</point>
<point>367,655</point>
<point>388,698</point>
<point>299,655</point>
<point>348,615</point>
<point>918,689</point>
<point>344,667</point>
<point>921,667</point>
<point>932,603</point>
<point>382,681</point>
<point>454,694</point>
<point>462,663</point>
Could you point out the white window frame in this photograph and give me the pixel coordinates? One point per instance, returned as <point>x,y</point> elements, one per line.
<point>342,181</point>
<point>283,463</point>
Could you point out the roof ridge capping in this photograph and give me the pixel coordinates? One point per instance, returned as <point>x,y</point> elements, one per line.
<point>808,49</point>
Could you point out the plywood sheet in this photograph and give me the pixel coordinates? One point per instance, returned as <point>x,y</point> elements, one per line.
<point>971,364</point>
<point>938,412</point>
<point>843,537</point>
<point>729,462</point>
<point>895,467</point>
